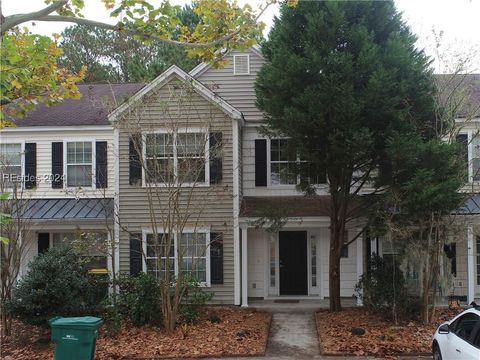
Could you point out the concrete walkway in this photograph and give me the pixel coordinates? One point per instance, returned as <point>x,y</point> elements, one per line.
<point>293,332</point>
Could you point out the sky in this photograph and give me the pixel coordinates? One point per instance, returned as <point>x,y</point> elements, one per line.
<point>457,20</point>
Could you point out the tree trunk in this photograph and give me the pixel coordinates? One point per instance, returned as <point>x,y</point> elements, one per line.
<point>334,267</point>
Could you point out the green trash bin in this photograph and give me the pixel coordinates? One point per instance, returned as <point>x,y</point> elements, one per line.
<point>75,337</point>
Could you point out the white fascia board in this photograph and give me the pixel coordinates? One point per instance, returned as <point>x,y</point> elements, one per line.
<point>183,76</point>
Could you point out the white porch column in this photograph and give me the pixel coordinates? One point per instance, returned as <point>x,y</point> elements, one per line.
<point>359,261</point>
<point>470,268</point>
<point>244,267</point>
<point>236,265</point>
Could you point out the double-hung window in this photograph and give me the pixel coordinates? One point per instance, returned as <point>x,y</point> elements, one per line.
<point>286,164</point>
<point>179,158</point>
<point>184,253</point>
<point>79,164</point>
<point>11,164</point>
<point>282,163</point>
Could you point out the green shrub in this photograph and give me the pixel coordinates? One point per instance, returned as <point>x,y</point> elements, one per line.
<point>383,290</point>
<point>112,318</point>
<point>194,297</point>
<point>139,299</point>
<point>56,284</point>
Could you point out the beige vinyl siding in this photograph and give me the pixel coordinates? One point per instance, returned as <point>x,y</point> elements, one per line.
<point>348,266</point>
<point>213,204</point>
<point>237,90</point>
<point>44,140</point>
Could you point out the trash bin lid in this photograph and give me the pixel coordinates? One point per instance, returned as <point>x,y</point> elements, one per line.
<point>83,321</point>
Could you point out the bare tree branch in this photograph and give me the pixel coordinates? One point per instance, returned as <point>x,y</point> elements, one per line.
<point>11,21</point>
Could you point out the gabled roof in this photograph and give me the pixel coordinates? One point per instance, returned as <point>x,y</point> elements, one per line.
<point>175,72</point>
<point>91,109</point>
<point>202,67</point>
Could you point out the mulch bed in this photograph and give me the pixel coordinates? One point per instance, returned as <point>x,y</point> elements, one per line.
<point>241,332</point>
<point>382,338</point>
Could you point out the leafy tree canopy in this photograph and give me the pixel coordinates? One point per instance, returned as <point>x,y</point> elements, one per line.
<point>117,57</point>
<point>216,25</point>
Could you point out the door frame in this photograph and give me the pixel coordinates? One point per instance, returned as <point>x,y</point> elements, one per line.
<point>313,235</point>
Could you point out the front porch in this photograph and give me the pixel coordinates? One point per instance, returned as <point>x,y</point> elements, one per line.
<point>293,263</point>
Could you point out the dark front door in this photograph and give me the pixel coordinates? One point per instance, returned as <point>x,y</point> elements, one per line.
<point>293,262</point>
<point>43,242</point>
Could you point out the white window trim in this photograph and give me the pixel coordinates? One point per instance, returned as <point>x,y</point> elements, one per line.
<point>94,163</point>
<point>22,157</point>
<point>206,183</point>
<point>269,171</point>
<point>205,231</point>
<point>235,62</point>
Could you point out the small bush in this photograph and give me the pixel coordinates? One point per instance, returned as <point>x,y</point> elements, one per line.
<point>383,291</point>
<point>56,284</point>
<point>195,297</point>
<point>139,299</point>
<point>112,319</point>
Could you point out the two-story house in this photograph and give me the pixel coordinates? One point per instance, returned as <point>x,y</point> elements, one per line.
<point>60,161</point>
<point>204,120</point>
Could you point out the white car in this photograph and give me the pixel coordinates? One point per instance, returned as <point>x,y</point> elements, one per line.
<point>459,338</point>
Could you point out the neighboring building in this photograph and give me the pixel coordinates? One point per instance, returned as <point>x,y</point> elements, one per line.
<point>66,154</point>
<point>249,178</point>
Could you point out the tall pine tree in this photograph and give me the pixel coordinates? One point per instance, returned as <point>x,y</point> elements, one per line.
<point>340,79</point>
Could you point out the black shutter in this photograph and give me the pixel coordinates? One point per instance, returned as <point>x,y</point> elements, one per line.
<point>57,165</point>
<point>462,139</point>
<point>215,142</point>
<point>43,242</point>
<point>30,165</point>
<point>261,162</point>
<point>135,167</point>
<point>101,174</point>
<point>216,258</point>
<point>136,266</point>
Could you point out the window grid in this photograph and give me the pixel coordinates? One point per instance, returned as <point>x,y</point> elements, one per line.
<point>11,162</point>
<point>193,247</point>
<point>314,261</point>
<point>282,163</point>
<point>176,158</point>
<point>158,249</point>
<point>79,163</point>
<point>272,262</point>
<point>194,255</point>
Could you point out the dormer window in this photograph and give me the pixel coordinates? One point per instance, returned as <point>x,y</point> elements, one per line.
<point>241,64</point>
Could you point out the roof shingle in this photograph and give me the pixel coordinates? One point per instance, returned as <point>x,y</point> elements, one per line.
<point>92,108</point>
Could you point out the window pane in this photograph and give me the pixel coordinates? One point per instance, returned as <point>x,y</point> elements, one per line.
<point>191,144</point>
<point>79,175</point>
<point>191,170</point>
<point>159,170</point>
<point>11,154</point>
<point>476,158</point>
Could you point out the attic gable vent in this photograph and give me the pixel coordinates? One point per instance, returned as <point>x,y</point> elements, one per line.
<point>241,64</point>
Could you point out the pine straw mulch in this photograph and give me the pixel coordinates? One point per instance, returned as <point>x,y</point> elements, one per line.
<point>241,332</point>
<point>382,338</point>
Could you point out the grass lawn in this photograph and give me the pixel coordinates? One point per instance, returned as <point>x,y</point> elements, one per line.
<point>382,338</point>
<point>239,332</point>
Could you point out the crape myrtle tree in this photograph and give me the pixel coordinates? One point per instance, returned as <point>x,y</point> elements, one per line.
<point>176,163</point>
<point>341,78</point>
<point>15,227</point>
